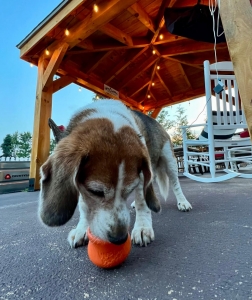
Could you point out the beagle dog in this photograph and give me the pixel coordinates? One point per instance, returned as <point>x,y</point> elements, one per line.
<point>107,152</point>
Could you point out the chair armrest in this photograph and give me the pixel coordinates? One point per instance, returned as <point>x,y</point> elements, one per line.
<point>190,126</point>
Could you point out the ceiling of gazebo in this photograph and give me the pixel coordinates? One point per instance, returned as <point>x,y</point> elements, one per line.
<point>114,46</point>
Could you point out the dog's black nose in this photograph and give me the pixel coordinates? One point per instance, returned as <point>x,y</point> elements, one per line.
<point>117,240</point>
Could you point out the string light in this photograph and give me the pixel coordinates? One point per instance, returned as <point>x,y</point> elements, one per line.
<point>158,67</point>
<point>47,52</point>
<point>153,52</point>
<point>31,65</point>
<point>148,96</point>
<point>96,8</point>
<point>66,32</point>
<point>153,83</point>
<point>161,36</point>
<point>79,89</point>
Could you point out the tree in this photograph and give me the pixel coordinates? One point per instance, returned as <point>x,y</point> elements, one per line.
<point>98,97</point>
<point>163,119</point>
<point>52,145</point>
<point>15,144</point>
<point>181,120</point>
<point>7,146</point>
<point>24,150</point>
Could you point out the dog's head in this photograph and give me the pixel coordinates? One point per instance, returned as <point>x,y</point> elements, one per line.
<point>103,167</point>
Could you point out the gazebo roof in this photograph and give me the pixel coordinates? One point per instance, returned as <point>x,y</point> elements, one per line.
<point>113,48</point>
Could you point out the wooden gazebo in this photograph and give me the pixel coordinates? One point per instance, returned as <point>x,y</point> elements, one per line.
<point>121,49</point>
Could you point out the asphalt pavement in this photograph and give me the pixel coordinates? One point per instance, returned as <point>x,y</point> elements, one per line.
<point>202,254</point>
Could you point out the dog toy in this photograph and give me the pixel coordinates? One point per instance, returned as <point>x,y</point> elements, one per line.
<point>105,254</point>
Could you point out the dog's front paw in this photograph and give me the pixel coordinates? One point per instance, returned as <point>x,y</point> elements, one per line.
<point>77,237</point>
<point>184,205</point>
<point>142,235</point>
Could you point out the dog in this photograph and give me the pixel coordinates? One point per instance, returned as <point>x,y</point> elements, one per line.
<point>105,153</point>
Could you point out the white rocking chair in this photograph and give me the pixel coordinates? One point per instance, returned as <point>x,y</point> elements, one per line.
<point>219,129</point>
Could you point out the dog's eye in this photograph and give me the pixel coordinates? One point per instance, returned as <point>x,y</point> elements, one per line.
<point>96,193</point>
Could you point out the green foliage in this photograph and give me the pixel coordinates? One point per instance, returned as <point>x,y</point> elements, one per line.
<point>52,145</point>
<point>7,147</point>
<point>163,118</point>
<point>174,125</point>
<point>15,144</point>
<point>24,150</point>
<point>98,97</point>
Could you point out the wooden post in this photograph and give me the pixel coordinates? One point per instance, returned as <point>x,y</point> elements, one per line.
<point>236,16</point>
<point>43,108</point>
<point>155,112</point>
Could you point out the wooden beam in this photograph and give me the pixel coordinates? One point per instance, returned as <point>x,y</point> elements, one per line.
<point>41,130</point>
<point>164,84</point>
<point>98,47</point>
<point>138,70</point>
<point>53,65</point>
<point>123,64</point>
<point>108,10</point>
<point>185,76</point>
<point>95,85</point>
<point>189,95</point>
<point>152,76</point>
<point>140,89</point>
<point>94,65</point>
<point>61,82</point>
<point>160,17</point>
<point>236,17</point>
<point>155,112</point>
<point>50,25</point>
<point>137,10</point>
<point>188,46</point>
<point>117,34</point>
<point>180,59</point>
<point>168,38</point>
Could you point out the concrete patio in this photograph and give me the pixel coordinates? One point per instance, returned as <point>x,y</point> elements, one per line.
<point>202,254</point>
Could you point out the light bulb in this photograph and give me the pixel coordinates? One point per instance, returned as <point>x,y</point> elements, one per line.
<point>79,89</point>
<point>158,67</point>
<point>148,96</point>
<point>31,65</point>
<point>96,8</point>
<point>153,83</point>
<point>153,52</point>
<point>66,32</point>
<point>161,36</point>
<point>47,52</point>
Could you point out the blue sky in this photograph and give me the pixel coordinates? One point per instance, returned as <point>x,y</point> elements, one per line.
<point>18,79</point>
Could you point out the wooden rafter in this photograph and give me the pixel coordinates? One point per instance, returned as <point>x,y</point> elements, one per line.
<point>188,46</point>
<point>108,10</point>
<point>50,25</point>
<point>140,89</point>
<point>152,76</point>
<point>98,47</point>
<point>53,65</point>
<point>164,85</point>
<point>185,76</point>
<point>160,17</point>
<point>155,112</point>
<point>133,74</point>
<point>181,60</point>
<point>93,84</point>
<point>62,82</point>
<point>123,64</point>
<point>117,34</point>
<point>93,66</point>
<point>192,94</point>
<point>137,10</point>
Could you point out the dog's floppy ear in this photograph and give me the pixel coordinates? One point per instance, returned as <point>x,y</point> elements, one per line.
<point>149,193</point>
<point>58,195</point>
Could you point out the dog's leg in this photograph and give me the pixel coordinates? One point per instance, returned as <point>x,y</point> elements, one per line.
<point>172,172</point>
<point>142,232</point>
<point>77,237</point>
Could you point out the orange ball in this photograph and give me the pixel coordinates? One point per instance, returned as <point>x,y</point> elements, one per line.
<point>105,254</point>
